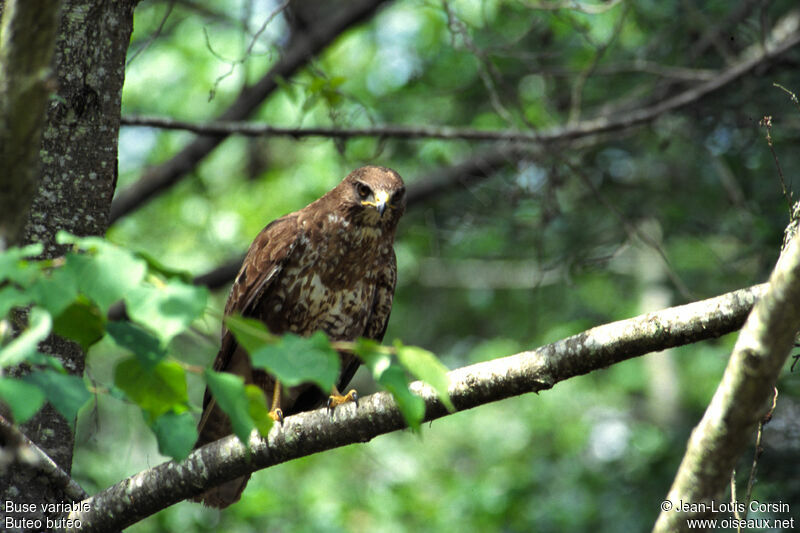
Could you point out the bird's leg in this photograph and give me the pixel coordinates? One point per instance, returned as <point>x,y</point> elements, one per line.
<point>336,398</point>
<point>275,410</point>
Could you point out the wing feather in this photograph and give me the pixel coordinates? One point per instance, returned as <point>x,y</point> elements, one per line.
<point>261,266</point>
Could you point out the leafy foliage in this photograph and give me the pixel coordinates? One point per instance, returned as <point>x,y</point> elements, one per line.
<point>65,392</point>
<point>295,360</point>
<point>156,390</point>
<point>240,402</point>
<point>71,298</point>
<point>312,359</point>
<point>176,434</point>
<point>24,399</point>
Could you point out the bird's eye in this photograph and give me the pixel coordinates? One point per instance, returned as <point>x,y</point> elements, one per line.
<point>363,190</point>
<point>398,196</point>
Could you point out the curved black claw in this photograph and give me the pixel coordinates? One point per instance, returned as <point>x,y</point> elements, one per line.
<point>330,404</point>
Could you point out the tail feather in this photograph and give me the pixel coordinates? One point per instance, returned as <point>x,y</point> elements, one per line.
<point>214,425</point>
<point>225,494</point>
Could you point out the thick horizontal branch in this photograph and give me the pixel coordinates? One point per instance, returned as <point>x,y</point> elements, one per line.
<point>150,491</point>
<point>300,51</point>
<point>585,128</point>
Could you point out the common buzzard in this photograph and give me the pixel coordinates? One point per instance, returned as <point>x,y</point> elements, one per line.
<point>329,266</point>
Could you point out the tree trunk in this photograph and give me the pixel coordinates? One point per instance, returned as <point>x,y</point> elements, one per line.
<point>77,172</point>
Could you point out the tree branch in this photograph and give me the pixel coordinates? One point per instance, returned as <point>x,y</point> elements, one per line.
<point>788,39</point>
<point>20,449</point>
<point>742,398</point>
<point>300,51</point>
<point>306,433</point>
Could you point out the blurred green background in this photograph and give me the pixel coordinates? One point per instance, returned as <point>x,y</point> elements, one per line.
<point>557,240</point>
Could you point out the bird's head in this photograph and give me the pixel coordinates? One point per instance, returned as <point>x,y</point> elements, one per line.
<point>374,196</point>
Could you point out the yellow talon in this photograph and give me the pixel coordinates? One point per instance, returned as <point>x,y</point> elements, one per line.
<point>277,415</point>
<point>337,399</point>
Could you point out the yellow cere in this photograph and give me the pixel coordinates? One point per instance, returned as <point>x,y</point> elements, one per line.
<point>381,197</point>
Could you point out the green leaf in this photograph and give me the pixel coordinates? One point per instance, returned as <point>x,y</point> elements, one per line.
<point>11,297</point>
<point>65,237</point>
<point>42,359</point>
<point>168,272</point>
<point>252,334</point>
<point>294,360</point>
<point>106,276</point>
<point>22,398</point>
<point>374,357</point>
<point>176,434</point>
<point>67,393</point>
<point>167,310</point>
<point>258,409</point>
<point>146,347</point>
<point>81,322</point>
<point>229,393</point>
<point>14,267</point>
<point>411,406</point>
<point>392,378</point>
<point>55,290</point>
<point>368,350</point>
<point>156,390</point>
<point>25,345</point>
<point>426,367</point>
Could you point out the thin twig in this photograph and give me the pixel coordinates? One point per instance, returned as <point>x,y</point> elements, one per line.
<point>574,5</point>
<point>583,77</point>
<point>766,123</point>
<point>758,451</point>
<point>235,62</point>
<point>634,232</point>
<point>734,501</point>
<point>792,96</point>
<point>152,38</point>
<point>459,28</point>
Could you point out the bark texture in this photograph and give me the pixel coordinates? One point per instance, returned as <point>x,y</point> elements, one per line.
<point>27,40</point>
<point>77,165</point>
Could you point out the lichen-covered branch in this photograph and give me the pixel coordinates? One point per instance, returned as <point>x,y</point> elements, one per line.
<point>742,397</point>
<point>306,433</point>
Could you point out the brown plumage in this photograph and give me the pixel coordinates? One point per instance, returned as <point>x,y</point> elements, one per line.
<point>329,266</point>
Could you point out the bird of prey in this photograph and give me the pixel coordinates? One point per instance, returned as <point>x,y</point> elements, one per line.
<point>329,266</point>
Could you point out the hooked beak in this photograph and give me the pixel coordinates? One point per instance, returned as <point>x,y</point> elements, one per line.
<point>381,199</point>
